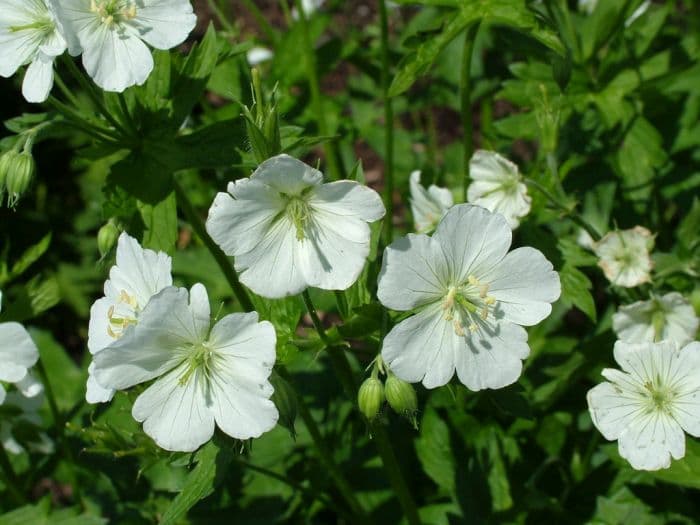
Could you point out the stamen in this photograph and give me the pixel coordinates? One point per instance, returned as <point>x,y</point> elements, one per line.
<point>459,329</point>
<point>473,328</point>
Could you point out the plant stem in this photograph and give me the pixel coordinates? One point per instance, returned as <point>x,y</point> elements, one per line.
<point>465,91</point>
<point>570,213</point>
<point>11,479</point>
<point>329,463</point>
<point>388,128</point>
<point>76,120</point>
<point>64,89</point>
<point>333,160</point>
<point>94,95</point>
<point>221,16</point>
<point>343,370</point>
<point>221,258</point>
<point>260,18</point>
<point>53,406</point>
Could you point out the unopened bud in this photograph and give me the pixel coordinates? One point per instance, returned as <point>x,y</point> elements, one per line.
<point>5,161</point>
<point>401,397</point>
<point>371,397</point>
<point>107,237</point>
<point>21,169</point>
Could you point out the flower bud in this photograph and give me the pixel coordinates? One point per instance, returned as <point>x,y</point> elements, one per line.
<point>107,237</point>
<point>21,169</point>
<point>5,161</point>
<point>401,397</point>
<point>371,397</point>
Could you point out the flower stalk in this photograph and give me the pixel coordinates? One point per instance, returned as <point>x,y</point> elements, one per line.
<point>388,128</point>
<point>465,91</point>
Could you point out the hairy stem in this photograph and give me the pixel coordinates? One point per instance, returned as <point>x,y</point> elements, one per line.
<point>465,92</point>
<point>221,258</point>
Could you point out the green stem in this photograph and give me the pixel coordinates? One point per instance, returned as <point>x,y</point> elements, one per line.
<point>260,18</point>
<point>221,258</point>
<point>93,94</point>
<point>11,479</point>
<point>329,463</point>
<point>53,406</point>
<point>343,370</point>
<point>333,160</point>
<point>465,91</point>
<point>571,214</point>
<point>388,128</point>
<point>221,16</point>
<point>64,89</point>
<point>76,120</point>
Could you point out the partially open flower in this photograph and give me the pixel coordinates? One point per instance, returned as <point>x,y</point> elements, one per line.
<point>428,205</point>
<point>624,256</point>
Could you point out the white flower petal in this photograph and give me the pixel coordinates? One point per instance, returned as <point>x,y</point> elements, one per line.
<point>29,386</point>
<point>38,80</point>
<point>491,357</point>
<point>686,408</point>
<point>651,440</point>
<point>349,200</point>
<point>473,239</point>
<point>427,206</point>
<point>114,59</point>
<point>414,272</point>
<point>165,24</point>
<point>17,352</point>
<point>422,348</point>
<point>3,394</point>
<point>166,325</point>
<point>287,175</point>
<point>95,392</point>
<point>237,223</point>
<point>524,284</point>
<point>176,415</point>
<point>273,268</point>
<point>612,409</point>
<point>98,334</point>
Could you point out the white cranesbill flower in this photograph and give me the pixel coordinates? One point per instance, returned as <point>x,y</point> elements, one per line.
<point>30,34</point>
<point>471,297</point>
<point>258,54</point>
<point>497,186</point>
<point>112,35</point>
<point>288,231</point>
<point>668,316</point>
<point>428,205</point>
<point>624,256</point>
<point>18,354</point>
<point>138,275</point>
<point>648,404</point>
<point>205,376</point>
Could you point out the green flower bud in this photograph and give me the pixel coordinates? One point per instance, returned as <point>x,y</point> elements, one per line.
<point>107,237</point>
<point>5,161</point>
<point>401,397</point>
<point>21,170</point>
<point>371,397</point>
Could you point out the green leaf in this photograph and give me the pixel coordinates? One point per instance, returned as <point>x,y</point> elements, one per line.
<point>690,226</point>
<point>67,380</point>
<point>30,256</point>
<point>576,290</point>
<point>160,224</point>
<point>686,471</point>
<point>212,462</point>
<point>434,450</point>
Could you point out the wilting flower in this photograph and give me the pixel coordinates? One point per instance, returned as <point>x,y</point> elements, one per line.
<point>668,316</point>
<point>29,34</point>
<point>497,186</point>
<point>648,404</point>
<point>428,206</point>
<point>288,231</point>
<point>112,35</point>
<point>205,376</point>
<point>18,354</point>
<point>624,256</point>
<point>471,297</point>
<point>138,275</point>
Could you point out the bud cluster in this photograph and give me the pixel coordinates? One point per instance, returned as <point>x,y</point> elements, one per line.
<point>17,169</point>
<point>400,395</point>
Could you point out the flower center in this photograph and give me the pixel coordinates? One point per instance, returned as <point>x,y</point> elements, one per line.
<point>467,302</point>
<point>200,358</point>
<point>659,396</point>
<point>298,212</point>
<point>113,12</point>
<point>120,318</point>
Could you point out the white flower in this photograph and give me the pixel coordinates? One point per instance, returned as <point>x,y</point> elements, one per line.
<point>649,404</point>
<point>587,6</point>
<point>428,206</point>
<point>29,34</point>
<point>288,231</point>
<point>471,297</point>
<point>18,354</point>
<point>206,376</point>
<point>497,186</point>
<point>138,275</point>
<point>258,55</point>
<point>624,256</point>
<point>112,35</point>
<point>668,316</point>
